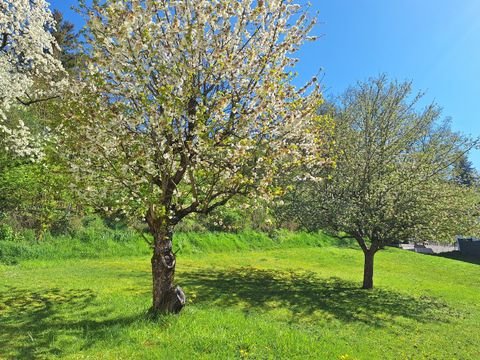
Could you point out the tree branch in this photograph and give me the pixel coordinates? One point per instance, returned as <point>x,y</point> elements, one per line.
<point>4,41</point>
<point>35,101</point>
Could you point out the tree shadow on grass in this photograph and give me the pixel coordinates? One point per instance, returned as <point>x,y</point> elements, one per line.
<point>308,296</point>
<point>457,255</point>
<point>31,321</point>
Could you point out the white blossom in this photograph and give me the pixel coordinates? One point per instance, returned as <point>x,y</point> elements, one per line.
<point>28,70</point>
<point>196,99</point>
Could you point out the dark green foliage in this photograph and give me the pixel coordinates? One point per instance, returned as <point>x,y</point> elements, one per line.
<point>11,252</point>
<point>464,173</point>
<point>67,40</point>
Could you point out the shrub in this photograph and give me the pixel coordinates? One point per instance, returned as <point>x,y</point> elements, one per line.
<point>7,233</point>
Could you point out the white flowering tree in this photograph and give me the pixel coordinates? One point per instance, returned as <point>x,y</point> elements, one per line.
<point>29,72</point>
<point>186,104</point>
<point>393,176</point>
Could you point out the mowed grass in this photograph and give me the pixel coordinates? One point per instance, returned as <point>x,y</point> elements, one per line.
<point>297,303</point>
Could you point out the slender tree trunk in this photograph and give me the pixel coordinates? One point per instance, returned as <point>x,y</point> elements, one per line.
<point>368,269</point>
<point>167,298</point>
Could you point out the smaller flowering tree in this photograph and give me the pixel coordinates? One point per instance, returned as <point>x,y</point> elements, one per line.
<point>29,72</point>
<point>185,105</point>
<point>392,180</point>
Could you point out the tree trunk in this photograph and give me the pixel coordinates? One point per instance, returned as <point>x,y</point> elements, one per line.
<point>167,298</point>
<point>368,269</point>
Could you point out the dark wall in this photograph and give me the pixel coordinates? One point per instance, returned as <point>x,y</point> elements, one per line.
<point>469,247</point>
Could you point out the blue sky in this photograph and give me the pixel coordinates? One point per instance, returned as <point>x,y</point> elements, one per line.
<point>435,43</point>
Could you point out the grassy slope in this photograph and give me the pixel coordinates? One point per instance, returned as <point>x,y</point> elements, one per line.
<point>123,243</point>
<point>299,303</point>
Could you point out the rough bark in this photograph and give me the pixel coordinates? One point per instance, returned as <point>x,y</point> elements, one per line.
<point>368,269</point>
<point>167,297</point>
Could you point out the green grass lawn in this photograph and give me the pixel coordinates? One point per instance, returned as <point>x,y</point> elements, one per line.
<point>298,303</point>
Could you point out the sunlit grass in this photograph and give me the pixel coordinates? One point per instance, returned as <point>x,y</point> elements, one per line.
<point>286,303</point>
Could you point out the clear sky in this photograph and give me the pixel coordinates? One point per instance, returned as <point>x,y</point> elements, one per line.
<point>435,43</point>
